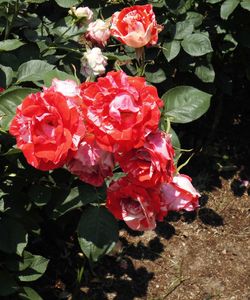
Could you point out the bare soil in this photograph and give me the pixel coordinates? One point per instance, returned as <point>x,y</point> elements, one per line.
<point>190,256</point>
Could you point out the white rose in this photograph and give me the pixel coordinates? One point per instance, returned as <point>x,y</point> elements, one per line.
<point>98,32</point>
<point>93,62</point>
<point>82,12</point>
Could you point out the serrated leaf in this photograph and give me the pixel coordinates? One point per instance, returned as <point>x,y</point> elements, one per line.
<point>9,45</point>
<point>33,70</point>
<point>9,100</point>
<point>228,7</point>
<point>14,237</point>
<point>184,104</point>
<point>245,4</point>
<point>205,74</point>
<point>97,232</point>
<point>171,49</point>
<point>197,44</point>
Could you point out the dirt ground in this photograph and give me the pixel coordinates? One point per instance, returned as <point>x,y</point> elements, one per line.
<point>194,256</point>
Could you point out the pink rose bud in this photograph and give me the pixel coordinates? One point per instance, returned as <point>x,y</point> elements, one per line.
<point>93,62</point>
<point>82,13</point>
<point>180,194</point>
<point>98,32</point>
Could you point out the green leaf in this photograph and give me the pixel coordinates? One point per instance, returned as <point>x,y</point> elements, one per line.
<point>194,18</point>
<point>80,195</point>
<point>6,75</point>
<point>35,270</point>
<point>9,45</point>
<point>245,4</point>
<point>117,56</point>
<point>9,100</point>
<point>97,232</point>
<point>176,144</point>
<point>185,104</point>
<point>8,285</point>
<point>67,3</point>
<point>171,49</point>
<point>197,44</point>
<point>156,77</point>
<point>33,70</point>
<point>28,293</point>
<point>40,195</point>
<point>183,29</point>
<point>213,1</point>
<point>205,74</point>
<point>14,238</point>
<point>56,74</point>
<point>228,7</point>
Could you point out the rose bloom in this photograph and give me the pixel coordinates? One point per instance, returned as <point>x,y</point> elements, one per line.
<point>90,163</point>
<point>151,164</point>
<point>98,32</point>
<point>121,110</point>
<point>48,129</point>
<point>93,62</point>
<point>82,12</point>
<point>135,205</point>
<point>180,194</point>
<point>2,89</point>
<point>135,26</point>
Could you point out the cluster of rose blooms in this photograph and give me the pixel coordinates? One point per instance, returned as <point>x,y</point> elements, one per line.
<point>96,127</point>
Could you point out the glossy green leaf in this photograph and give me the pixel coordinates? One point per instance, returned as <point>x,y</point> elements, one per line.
<point>205,74</point>
<point>35,270</point>
<point>80,195</point>
<point>183,29</point>
<point>156,77</point>
<point>9,100</point>
<point>9,45</point>
<point>185,104</point>
<point>228,7</point>
<point>197,44</point>
<point>245,4</point>
<point>171,49</point>
<point>194,18</point>
<point>67,3</point>
<point>97,232</point>
<point>28,293</point>
<point>6,75</point>
<point>14,237</point>
<point>48,77</point>
<point>33,70</point>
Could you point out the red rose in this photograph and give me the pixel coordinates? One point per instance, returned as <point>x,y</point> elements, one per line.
<point>135,26</point>
<point>135,205</point>
<point>2,89</point>
<point>48,129</point>
<point>121,110</point>
<point>180,194</point>
<point>151,164</point>
<point>91,163</point>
